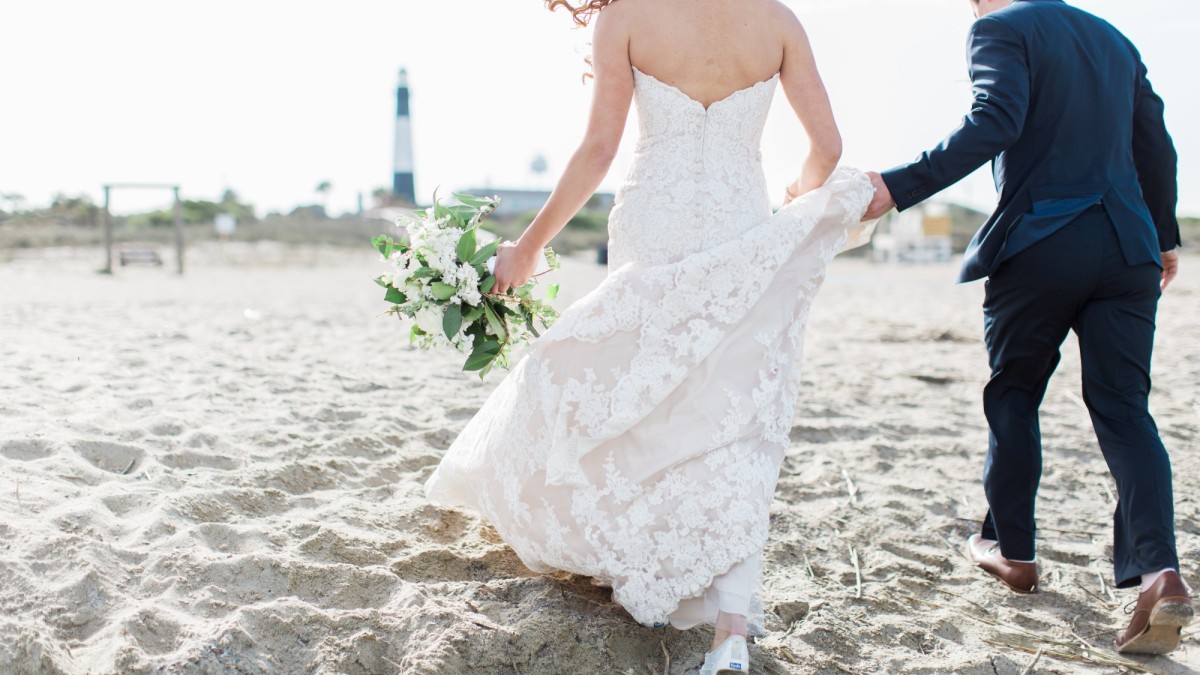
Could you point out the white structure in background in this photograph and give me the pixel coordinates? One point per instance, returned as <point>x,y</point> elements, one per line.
<point>918,235</point>
<point>403,186</point>
<point>225,224</point>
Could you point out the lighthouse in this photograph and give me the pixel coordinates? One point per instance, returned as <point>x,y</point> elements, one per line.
<point>403,188</point>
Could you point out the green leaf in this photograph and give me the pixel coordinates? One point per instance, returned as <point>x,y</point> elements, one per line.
<point>466,246</point>
<point>484,253</point>
<point>414,334</point>
<point>478,361</point>
<point>552,259</point>
<point>452,321</point>
<point>472,201</point>
<point>443,291</point>
<point>487,285</point>
<point>395,297</point>
<point>463,214</point>
<point>423,272</point>
<point>494,321</point>
<point>379,280</point>
<point>380,243</point>
<point>552,291</point>
<point>472,314</point>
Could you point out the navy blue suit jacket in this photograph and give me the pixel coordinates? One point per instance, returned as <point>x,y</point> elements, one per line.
<point>1066,114</point>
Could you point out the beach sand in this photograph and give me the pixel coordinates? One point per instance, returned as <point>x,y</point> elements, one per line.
<point>221,473</point>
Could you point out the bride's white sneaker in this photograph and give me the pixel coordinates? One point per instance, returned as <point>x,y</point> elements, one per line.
<point>731,657</point>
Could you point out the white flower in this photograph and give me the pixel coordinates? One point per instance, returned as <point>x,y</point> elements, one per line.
<point>429,319</point>
<point>468,285</point>
<point>403,266</point>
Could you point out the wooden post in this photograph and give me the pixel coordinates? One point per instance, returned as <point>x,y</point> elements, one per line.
<point>178,232</point>
<point>108,235</point>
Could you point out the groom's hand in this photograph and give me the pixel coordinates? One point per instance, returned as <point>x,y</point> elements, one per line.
<point>882,202</point>
<point>1170,268</point>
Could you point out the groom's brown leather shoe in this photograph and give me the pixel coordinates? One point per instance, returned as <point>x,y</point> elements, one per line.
<point>1158,618</point>
<point>1022,577</point>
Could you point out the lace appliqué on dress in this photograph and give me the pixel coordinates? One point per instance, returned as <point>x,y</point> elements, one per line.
<point>640,439</point>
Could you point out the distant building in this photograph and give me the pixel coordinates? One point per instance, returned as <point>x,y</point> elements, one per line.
<point>516,202</point>
<point>930,232</point>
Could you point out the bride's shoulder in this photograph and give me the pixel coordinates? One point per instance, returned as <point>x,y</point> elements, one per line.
<point>784,19</point>
<point>624,8</point>
<point>783,14</point>
<point>620,13</point>
<point>617,20</point>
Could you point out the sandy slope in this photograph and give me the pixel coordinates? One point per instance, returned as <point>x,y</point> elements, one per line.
<point>221,473</point>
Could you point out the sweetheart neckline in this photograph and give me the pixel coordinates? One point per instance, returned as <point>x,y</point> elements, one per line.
<point>707,108</point>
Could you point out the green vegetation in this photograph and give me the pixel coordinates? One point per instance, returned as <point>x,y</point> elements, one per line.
<point>194,212</point>
<point>586,232</point>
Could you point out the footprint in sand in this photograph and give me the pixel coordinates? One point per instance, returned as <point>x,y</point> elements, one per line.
<point>25,451</point>
<point>167,429</point>
<point>86,603</point>
<point>154,632</point>
<point>110,457</point>
<point>460,414</point>
<point>122,505</point>
<point>187,460</point>
<point>437,565</point>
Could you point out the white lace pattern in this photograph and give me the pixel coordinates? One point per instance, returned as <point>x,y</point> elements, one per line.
<point>639,441</point>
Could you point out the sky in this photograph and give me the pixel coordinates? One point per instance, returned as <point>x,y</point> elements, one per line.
<point>271,98</point>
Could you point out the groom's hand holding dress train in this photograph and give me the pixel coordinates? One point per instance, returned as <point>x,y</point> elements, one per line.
<point>1083,239</point>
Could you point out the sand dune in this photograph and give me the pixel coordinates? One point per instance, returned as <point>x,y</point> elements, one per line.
<point>222,473</point>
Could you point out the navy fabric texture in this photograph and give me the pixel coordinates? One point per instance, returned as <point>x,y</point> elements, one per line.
<point>1066,114</point>
<point>1077,279</point>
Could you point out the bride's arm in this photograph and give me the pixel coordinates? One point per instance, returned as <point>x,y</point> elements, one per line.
<point>517,261</point>
<point>806,92</point>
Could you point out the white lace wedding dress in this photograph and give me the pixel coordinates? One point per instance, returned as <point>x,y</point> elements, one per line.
<point>640,439</point>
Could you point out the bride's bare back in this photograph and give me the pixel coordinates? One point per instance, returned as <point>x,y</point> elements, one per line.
<point>708,48</point>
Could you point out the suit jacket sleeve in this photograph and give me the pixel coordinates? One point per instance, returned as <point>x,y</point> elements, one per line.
<point>1000,78</point>
<point>1156,161</point>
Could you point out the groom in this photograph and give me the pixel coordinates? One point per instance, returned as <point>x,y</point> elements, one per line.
<point>1083,239</point>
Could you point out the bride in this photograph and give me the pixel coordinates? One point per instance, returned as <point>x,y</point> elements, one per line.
<point>639,441</point>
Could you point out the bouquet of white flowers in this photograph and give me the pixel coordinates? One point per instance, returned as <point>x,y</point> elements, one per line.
<point>441,278</point>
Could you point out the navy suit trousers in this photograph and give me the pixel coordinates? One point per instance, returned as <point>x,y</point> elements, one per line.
<point>1077,279</point>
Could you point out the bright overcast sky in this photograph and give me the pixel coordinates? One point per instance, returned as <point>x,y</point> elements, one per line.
<point>270,97</point>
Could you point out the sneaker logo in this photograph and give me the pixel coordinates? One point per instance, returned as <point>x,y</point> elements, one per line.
<point>736,665</point>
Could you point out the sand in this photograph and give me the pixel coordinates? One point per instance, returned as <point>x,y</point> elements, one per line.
<point>221,473</point>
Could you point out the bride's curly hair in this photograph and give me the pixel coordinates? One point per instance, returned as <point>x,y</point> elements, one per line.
<point>581,12</point>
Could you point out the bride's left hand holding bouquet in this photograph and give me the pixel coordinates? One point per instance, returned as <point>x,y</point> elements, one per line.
<point>441,279</point>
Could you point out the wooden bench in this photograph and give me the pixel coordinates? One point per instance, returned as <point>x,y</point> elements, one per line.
<point>139,256</point>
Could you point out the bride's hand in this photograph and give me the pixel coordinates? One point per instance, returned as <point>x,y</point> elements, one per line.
<point>792,192</point>
<point>515,264</point>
